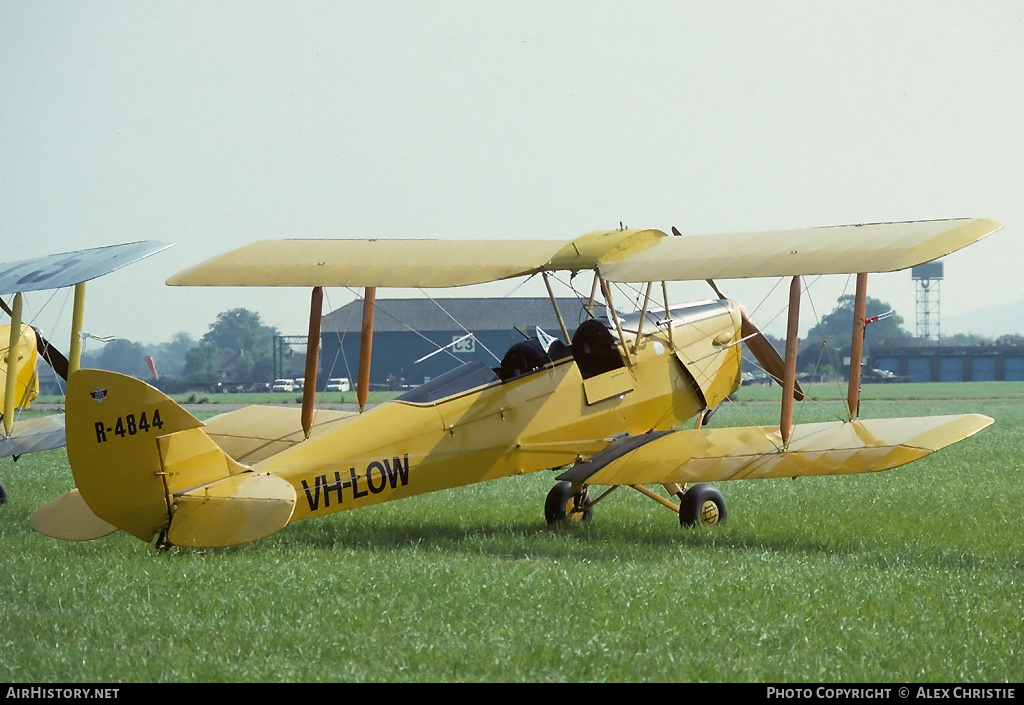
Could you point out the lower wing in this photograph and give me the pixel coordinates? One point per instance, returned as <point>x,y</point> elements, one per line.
<point>752,452</point>
<point>33,435</point>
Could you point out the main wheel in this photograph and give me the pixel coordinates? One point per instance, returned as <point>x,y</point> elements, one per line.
<point>3,494</point>
<point>702,504</point>
<point>561,505</point>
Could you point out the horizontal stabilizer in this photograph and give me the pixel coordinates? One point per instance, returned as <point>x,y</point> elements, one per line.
<point>68,517</point>
<point>34,435</point>
<point>70,268</point>
<point>235,510</point>
<point>751,452</point>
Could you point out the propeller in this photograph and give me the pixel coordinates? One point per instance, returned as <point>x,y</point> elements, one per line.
<point>763,351</point>
<point>52,355</point>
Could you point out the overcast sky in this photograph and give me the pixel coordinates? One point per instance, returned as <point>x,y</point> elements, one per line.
<point>213,124</point>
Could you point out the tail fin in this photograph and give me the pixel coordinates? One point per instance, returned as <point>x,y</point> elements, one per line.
<point>112,423</point>
<point>26,386</point>
<point>145,465</point>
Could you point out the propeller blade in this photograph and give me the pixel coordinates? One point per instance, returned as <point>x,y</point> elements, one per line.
<point>52,355</point>
<point>763,351</point>
<point>715,287</point>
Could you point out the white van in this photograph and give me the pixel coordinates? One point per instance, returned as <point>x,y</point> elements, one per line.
<point>283,385</point>
<point>339,384</point>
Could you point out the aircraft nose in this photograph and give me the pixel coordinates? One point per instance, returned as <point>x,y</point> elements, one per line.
<point>736,312</point>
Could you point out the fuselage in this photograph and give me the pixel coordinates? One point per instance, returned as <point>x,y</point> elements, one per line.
<point>539,420</point>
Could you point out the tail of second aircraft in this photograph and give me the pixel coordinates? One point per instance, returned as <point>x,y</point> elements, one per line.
<point>25,385</point>
<point>145,465</point>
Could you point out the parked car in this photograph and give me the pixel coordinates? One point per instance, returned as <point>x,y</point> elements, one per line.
<point>339,384</point>
<point>283,385</point>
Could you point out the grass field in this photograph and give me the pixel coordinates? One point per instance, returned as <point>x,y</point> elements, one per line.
<point>914,575</point>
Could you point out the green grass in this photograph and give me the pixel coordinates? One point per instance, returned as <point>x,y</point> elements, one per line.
<point>911,390</point>
<point>913,575</point>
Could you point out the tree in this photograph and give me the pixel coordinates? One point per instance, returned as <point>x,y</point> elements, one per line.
<point>240,334</point>
<point>828,343</point>
<point>125,357</point>
<point>199,364</point>
<point>169,357</point>
<point>239,329</point>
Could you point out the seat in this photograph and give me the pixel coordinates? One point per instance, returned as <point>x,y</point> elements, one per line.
<point>595,350</point>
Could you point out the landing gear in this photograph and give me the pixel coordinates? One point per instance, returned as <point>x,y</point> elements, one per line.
<point>564,505</point>
<point>3,494</point>
<point>162,544</point>
<point>702,504</point>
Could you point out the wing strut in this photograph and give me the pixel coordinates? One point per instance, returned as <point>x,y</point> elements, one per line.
<point>606,290</point>
<point>668,314</point>
<point>857,345</point>
<point>366,346</point>
<point>77,314</point>
<point>316,309</point>
<point>593,294</point>
<point>789,374</point>
<point>643,316</point>
<point>558,314</point>
<point>12,365</point>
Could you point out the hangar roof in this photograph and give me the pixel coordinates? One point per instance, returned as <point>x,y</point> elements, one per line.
<point>476,314</point>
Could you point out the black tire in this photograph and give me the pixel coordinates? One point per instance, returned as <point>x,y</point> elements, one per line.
<point>3,494</point>
<point>558,507</point>
<point>702,505</point>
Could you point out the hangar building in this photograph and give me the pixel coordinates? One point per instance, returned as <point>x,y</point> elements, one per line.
<point>415,340</point>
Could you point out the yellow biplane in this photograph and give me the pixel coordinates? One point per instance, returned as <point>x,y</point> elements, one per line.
<point>19,377</point>
<point>604,408</point>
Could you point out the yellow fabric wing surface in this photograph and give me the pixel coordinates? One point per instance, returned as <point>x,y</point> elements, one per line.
<point>362,263</point>
<point>621,255</point>
<point>880,247</point>
<point>753,452</point>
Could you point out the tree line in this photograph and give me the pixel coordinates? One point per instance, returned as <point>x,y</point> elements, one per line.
<point>823,351</point>
<point>238,348</point>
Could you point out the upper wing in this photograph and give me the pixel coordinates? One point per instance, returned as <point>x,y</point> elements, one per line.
<point>405,263</point>
<point>620,255</point>
<point>879,247</point>
<point>70,268</point>
<point>362,263</point>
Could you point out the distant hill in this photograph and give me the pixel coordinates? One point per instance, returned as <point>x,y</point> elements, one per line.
<point>1003,319</point>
